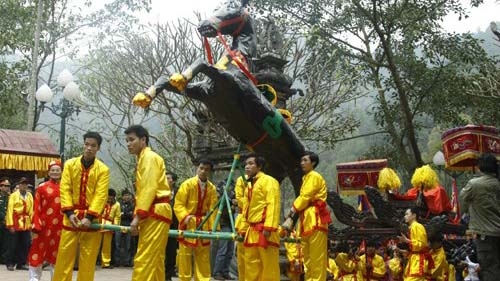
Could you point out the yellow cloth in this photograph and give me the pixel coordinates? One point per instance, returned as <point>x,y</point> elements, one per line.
<point>262,264</point>
<point>240,258</point>
<point>87,244</point>
<point>111,215</point>
<point>262,211</point>
<point>396,268</point>
<point>19,211</point>
<point>95,185</point>
<point>313,189</point>
<point>151,187</point>
<point>152,206</point>
<point>315,251</point>
<point>188,201</point>
<point>417,265</point>
<point>440,270</point>
<point>378,267</point>
<point>149,261</point>
<point>201,257</point>
<point>347,267</point>
<point>295,258</point>
<point>333,269</point>
<point>96,189</point>
<point>451,272</point>
<point>239,191</point>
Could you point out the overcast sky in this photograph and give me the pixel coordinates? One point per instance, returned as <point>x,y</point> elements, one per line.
<point>166,11</point>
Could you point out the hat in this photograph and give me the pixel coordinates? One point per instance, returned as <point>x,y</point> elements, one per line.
<point>55,163</point>
<point>23,180</point>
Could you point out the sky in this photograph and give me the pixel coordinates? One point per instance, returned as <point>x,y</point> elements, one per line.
<point>478,20</point>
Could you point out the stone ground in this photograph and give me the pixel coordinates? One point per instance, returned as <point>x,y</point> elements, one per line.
<point>115,274</point>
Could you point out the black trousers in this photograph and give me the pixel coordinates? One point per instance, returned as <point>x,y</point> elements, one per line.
<point>488,255</point>
<point>7,250</point>
<point>19,248</point>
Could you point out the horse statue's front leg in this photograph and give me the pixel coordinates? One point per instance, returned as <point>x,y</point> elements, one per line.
<point>177,83</point>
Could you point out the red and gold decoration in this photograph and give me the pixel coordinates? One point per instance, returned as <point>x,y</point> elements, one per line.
<point>463,145</point>
<point>352,177</point>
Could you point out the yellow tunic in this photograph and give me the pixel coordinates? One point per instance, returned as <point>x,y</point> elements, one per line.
<point>396,268</point>
<point>111,215</point>
<point>153,207</point>
<point>332,268</point>
<point>262,211</point>
<point>239,191</point>
<point>95,189</point>
<point>152,190</point>
<point>85,192</point>
<point>440,270</point>
<point>310,203</point>
<point>417,266</point>
<point>189,201</point>
<point>378,267</point>
<point>19,211</point>
<point>347,267</point>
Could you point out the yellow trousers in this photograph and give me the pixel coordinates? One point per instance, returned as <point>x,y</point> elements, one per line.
<point>315,249</point>
<point>88,244</point>
<point>415,278</point>
<point>106,248</point>
<point>293,276</point>
<point>262,264</point>
<point>240,258</point>
<point>149,261</point>
<point>201,256</point>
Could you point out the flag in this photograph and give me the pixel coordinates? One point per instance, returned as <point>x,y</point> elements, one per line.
<point>455,205</point>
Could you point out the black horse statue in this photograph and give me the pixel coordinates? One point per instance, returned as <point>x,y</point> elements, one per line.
<point>231,93</point>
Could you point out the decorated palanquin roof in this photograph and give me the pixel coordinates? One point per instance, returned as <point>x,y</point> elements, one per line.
<point>352,177</point>
<point>463,145</point>
<point>26,151</point>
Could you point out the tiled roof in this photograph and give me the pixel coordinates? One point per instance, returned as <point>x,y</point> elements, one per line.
<point>26,143</point>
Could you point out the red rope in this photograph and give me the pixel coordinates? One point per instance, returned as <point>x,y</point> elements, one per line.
<point>208,50</point>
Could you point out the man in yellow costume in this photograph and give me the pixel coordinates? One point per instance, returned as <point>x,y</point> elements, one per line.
<point>110,215</point>
<point>262,213</point>
<point>241,225</point>
<point>84,191</point>
<point>314,218</point>
<point>194,199</point>
<point>296,259</point>
<point>347,263</point>
<point>18,221</point>
<point>419,263</point>
<point>440,270</point>
<point>371,265</point>
<point>152,214</point>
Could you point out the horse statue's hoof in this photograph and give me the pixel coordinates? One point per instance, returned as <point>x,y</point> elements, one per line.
<point>142,99</point>
<point>178,81</point>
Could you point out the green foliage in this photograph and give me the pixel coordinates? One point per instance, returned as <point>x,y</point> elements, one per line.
<point>420,73</point>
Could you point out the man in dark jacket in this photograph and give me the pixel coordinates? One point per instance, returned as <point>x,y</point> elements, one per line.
<point>481,199</point>
<point>123,252</point>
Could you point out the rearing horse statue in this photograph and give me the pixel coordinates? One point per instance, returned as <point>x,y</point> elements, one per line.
<point>231,93</point>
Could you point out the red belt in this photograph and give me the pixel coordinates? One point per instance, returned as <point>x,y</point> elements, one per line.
<point>161,200</point>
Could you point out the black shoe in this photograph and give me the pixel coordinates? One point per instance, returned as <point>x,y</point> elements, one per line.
<point>10,267</point>
<point>22,267</point>
<point>228,277</point>
<point>107,267</point>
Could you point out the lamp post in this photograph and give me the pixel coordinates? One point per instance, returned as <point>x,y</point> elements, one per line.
<point>439,161</point>
<point>65,108</point>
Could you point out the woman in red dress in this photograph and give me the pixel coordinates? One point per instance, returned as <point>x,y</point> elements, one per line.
<point>47,223</point>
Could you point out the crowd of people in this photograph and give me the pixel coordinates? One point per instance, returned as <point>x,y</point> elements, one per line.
<point>51,226</point>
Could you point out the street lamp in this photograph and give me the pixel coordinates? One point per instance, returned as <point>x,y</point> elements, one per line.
<point>65,108</point>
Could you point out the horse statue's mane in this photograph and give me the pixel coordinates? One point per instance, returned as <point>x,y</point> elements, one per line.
<point>233,94</point>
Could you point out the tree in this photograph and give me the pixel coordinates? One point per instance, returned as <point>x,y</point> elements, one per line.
<point>64,24</point>
<point>412,66</point>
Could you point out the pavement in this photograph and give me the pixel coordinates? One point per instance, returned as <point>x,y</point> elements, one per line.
<point>115,274</point>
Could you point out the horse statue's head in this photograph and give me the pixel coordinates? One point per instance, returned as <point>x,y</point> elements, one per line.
<point>232,18</point>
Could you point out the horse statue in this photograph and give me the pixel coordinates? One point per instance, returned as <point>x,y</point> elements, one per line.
<point>232,94</point>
